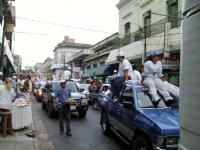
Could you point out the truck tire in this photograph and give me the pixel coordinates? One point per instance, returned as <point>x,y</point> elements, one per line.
<point>82,114</point>
<point>105,125</point>
<point>141,143</point>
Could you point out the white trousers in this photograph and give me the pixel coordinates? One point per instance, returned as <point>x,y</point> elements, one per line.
<point>155,84</point>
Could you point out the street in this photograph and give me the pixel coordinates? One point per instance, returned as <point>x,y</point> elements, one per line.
<point>87,134</point>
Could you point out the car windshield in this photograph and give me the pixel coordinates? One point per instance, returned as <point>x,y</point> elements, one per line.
<point>84,86</point>
<point>70,85</point>
<point>144,100</point>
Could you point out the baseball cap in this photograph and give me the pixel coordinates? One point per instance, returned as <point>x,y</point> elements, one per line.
<point>62,81</point>
<point>154,53</point>
<point>121,54</point>
<point>1,73</point>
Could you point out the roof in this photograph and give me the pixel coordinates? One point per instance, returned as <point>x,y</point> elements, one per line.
<point>72,45</point>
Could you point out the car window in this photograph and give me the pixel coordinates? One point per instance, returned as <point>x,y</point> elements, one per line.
<point>144,98</point>
<point>128,95</point>
<point>70,85</point>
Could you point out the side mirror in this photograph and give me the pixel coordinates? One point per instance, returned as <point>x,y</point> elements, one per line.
<point>128,105</point>
<point>81,90</point>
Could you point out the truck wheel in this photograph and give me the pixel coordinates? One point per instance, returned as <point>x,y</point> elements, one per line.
<point>105,125</point>
<point>82,114</point>
<point>140,143</point>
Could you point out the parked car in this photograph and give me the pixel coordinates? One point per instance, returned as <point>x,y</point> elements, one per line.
<point>39,90</point>
<point>137,122</point>
<point>82,103</point>
<point>84,89</point>
<point>93,97</point>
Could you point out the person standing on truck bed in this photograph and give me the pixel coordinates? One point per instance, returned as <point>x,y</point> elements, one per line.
<point>153,79</point>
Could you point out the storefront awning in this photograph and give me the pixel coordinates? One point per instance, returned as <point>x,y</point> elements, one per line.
<point>98,71</point>
<point>132,51</point>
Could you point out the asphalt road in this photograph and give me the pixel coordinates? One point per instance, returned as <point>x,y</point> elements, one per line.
<point>86,133</point>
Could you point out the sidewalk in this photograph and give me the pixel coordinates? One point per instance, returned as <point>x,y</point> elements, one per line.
<point>19,141</point>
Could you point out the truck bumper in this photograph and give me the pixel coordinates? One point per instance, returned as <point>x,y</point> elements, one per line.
<point>81,108</point>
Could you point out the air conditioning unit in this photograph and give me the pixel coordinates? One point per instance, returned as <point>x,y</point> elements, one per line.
<point>172,2</point>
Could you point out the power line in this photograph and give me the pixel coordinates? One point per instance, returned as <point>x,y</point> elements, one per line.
<point>61,25</point>
<point>32,33</point>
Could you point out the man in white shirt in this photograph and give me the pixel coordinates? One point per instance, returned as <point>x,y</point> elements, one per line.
<point>125,67</point>
<point>1,78</point>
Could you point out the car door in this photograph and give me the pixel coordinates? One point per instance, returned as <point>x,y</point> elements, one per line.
<point>127,115</point>
<point>113,111</point>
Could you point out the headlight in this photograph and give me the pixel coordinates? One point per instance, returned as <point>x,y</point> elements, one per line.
<point>40,93</point>
<point>171,142</point>
<point>84,101</point>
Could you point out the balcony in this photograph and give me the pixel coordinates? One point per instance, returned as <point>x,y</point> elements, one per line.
<point>153,29</point>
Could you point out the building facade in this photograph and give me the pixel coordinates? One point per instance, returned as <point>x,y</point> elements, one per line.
<point>62,53</point>
<point>38,70</point>
<point>146,25</point>
<point>18,63</point>
<point>76,62</point>
<point>94,64</point>
<point>47,72</point>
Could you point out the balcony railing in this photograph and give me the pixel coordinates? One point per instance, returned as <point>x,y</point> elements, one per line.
<point>152,30</point>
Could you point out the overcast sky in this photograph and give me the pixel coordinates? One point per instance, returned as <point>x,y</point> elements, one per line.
<point>101,15</point>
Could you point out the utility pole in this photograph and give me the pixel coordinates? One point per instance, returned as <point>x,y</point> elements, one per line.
<point>145,17</point>
<point>145,44</point>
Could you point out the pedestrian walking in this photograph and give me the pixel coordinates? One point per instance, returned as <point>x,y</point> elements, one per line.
<point>62,95</point>
<point>153,79</point>
<point>14,83</point>
<point>28,85</point>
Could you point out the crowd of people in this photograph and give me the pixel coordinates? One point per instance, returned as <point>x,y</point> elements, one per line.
<point>10,86</point>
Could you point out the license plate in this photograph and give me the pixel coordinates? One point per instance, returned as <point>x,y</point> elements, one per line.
<point>72,107</point>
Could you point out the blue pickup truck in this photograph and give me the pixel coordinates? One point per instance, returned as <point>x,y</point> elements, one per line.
<point>137,122</point>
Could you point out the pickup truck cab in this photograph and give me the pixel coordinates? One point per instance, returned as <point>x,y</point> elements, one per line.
<point>137,122</point>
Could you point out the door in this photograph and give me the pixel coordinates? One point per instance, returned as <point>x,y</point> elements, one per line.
<point>126,115</point>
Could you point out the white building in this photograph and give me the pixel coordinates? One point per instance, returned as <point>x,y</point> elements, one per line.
<point>62,52</point>
<point>160,21</point>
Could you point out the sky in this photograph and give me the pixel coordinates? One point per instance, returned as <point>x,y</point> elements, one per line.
<point>36,41</point>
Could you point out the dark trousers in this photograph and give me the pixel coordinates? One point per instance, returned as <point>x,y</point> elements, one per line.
<point>67,114</point>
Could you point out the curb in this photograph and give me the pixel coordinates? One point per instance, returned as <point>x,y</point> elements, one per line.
<point>41,135</point>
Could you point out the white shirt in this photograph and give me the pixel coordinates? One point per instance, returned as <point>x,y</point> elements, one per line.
<point>137,76</point>
<point>152,70</point>
<point>66,75</point>
<point>30,86</point>
<point>125,65</point>
<point>6,97</point>
<point>21,82</point>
